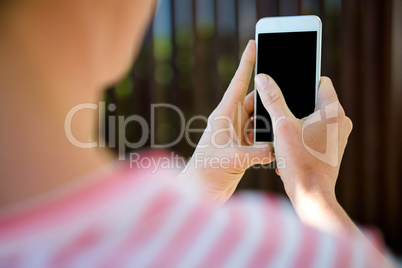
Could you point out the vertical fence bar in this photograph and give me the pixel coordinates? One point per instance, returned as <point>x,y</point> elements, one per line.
<point>184,66</point>
<point>236,35</point>
<point>288,7</point>
<point>299,7</point>
<point>373,100</point>
<point>197,96</point>
<point>267,8</point>
<point>349,92</point>
<point>174,90</point>
<point>309,7</point>
<point>394,142</point>
<point>216,51</point>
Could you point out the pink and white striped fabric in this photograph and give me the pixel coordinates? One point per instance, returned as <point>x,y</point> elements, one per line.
<point>137,219</point>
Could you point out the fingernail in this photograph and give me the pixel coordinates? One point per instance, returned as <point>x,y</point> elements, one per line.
<point>261,81</point>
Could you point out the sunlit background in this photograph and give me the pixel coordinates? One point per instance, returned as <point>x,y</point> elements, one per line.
<point>191,52</point>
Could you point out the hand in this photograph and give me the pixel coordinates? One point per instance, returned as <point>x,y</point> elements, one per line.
<point>225,149</point>
<point>311,149</point>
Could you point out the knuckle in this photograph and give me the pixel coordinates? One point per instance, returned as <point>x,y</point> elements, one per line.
<point>336,109</point>
<point>236,81</point>
<point>349,124</point>
<point>283,126</point>
<point>341,112</point>
<point>270,97</point>
<point>248,60</point>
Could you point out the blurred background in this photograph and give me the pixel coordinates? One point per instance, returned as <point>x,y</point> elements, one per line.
<point>192,50</point>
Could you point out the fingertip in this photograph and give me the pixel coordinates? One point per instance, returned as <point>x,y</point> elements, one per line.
<point>261,81</point>
<point>260,75</point>
<point>326,80</point>
<point>326,93</point>
<point>326,84</point>
<point>251,45</point>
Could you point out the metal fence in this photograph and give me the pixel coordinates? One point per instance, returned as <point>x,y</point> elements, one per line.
<point>192,49</point>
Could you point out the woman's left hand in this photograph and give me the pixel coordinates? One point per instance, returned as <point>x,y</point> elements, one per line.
<point>226,148</point>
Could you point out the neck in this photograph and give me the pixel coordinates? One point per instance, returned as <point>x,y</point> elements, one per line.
<point>37,157</point>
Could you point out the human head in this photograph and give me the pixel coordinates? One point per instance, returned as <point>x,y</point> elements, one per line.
<point>88,40</point>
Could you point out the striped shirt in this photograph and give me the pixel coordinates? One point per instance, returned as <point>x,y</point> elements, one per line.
<point>137,218</point>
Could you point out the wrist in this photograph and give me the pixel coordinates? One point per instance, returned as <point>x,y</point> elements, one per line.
<point>316,205</point>
<point>321,210</point>
<point>306,203</point>
<point>318,189</point>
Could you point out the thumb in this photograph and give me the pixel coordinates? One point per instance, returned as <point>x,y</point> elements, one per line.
<point>271,96</point>
<point>253,155</point>
<point>326,93</point>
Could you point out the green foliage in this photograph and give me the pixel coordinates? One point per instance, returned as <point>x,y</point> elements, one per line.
<point>124,88</point>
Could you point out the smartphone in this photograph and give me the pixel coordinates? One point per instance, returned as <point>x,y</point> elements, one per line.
<point>288,50</point>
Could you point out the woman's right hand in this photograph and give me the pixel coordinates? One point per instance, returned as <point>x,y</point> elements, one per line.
<point>309,151</point>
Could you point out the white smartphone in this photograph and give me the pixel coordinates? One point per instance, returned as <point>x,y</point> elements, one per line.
<point>288,50</point>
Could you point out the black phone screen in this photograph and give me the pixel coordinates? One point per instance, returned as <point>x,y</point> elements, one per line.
<point>290,59</point>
